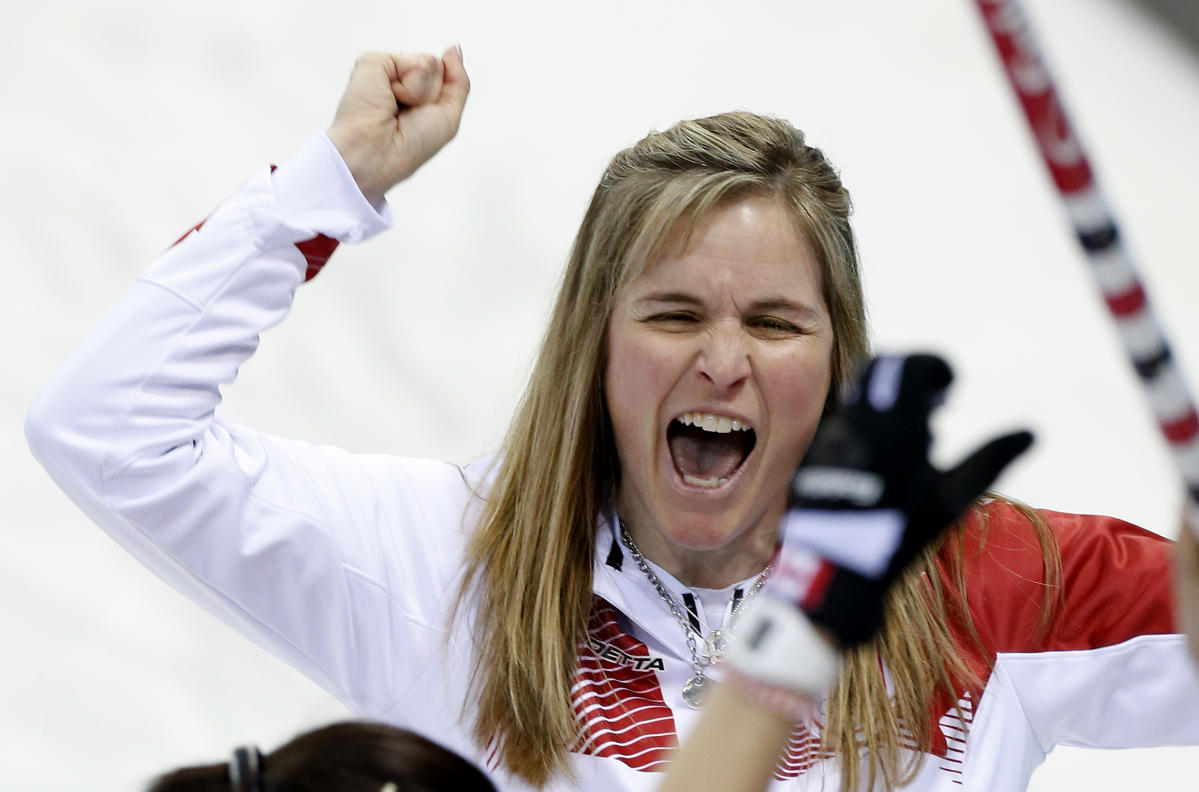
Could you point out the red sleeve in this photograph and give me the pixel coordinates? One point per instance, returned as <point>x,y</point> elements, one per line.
<point>1115,581</point>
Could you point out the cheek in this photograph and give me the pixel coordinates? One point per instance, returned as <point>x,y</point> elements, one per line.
<point>799,391</point>
<point>628,388</point>
<point>637,374</point>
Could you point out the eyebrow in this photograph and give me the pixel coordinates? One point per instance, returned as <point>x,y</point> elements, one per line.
<point>670,297</point>
<point>769,304</point>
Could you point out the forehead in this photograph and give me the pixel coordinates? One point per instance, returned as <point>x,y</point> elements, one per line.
<point>750,247</point>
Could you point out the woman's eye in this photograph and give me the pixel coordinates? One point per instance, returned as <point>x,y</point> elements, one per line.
<point>772,324</point>
<point>674,317</point>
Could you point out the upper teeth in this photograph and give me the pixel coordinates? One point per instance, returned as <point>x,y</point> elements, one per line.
<point>712,423</point>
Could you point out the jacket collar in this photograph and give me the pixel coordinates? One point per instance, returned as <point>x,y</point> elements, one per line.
<point>617,578</point>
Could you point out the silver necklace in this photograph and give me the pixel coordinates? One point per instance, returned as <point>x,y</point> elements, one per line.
<point>716,643</point>
<point>697,688</point>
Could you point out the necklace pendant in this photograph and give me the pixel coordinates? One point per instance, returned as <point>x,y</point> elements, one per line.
<point>696,691</point>
<point>715,645</point>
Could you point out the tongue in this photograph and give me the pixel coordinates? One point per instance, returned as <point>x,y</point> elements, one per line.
<point>706,454</point>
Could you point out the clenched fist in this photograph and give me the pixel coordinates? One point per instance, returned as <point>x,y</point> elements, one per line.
<point>396,113</point>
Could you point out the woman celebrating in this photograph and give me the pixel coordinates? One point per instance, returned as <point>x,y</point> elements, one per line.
<point>557,612</point>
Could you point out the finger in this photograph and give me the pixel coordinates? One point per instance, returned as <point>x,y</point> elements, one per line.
<point>371,73</point>
<point>902,381</point>
<point>961,485</point>
<point>417,80</point>
<point>456,83</point>
<point>372,62</point>
<point>925,378</point>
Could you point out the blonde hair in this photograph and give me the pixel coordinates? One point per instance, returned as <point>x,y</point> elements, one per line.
<point>529,563</point>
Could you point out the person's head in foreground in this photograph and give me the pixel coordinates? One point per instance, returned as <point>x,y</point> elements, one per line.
<point>342,757</point>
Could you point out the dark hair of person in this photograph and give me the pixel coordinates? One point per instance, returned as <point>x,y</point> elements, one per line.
<point>350,756</point>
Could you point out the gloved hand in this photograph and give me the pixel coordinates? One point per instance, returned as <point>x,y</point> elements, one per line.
<point>866,500</point>
<point>864,503</point>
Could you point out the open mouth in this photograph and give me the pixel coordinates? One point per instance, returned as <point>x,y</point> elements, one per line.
<point>708,450</point>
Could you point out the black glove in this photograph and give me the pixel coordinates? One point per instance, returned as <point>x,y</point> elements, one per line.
<point>866,500</point>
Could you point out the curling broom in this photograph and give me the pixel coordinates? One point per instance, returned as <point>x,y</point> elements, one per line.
<point>1110,264</point>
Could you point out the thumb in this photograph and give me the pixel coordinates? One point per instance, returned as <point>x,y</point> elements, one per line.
<point>456,84</point>
<point>961,485</point>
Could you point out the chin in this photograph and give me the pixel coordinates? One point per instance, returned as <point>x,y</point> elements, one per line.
<point>703,531</point>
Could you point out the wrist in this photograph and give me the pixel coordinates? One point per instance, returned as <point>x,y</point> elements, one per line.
<point>362,160</point>
<point>779,657</point>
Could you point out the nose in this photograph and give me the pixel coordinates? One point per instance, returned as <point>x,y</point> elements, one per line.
<point>723,358</point>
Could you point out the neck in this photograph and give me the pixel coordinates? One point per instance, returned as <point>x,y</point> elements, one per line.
<point>714,568</point>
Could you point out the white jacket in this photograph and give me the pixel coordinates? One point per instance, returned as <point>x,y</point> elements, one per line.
<point>346,565</point>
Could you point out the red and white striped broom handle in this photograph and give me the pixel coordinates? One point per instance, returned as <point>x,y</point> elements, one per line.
<point>1095,227</point>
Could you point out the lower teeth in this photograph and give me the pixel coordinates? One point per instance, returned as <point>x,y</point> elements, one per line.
<point>710,483</point>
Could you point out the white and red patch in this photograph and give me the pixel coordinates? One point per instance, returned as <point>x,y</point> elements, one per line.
<point>618,698</point>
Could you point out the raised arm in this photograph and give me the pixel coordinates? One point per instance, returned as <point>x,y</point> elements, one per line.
<point>1186,585</point>
<point>294,545</point>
